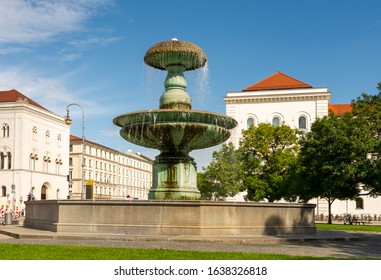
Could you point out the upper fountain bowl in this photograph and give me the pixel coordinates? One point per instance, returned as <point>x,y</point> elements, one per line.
<point>174,52</point>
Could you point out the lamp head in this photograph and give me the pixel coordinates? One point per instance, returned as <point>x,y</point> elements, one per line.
<point>67,118</point>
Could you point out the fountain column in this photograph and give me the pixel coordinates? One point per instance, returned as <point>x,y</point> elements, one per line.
<point>174,171</point>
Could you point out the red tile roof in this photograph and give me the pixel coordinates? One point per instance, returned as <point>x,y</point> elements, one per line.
<point>277,81</point>
<point>72,137</point>
<point>14,95</point>
<point>339,109</point>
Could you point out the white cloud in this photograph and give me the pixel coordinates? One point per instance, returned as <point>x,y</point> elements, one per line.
<point>76,47</point>
<point>31,21</point>
<point>81,44</point>
<point>50,92</point>
<point>114,132</point>
<point>69,55</point>
<point>12,50</point>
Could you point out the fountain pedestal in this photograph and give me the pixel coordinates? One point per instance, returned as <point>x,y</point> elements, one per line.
<point>174,178</point>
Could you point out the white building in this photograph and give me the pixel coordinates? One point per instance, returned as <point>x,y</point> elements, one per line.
<point>276,99</point>
<point>281,98</point>
<point>114,175</point>
<point>34,151</point>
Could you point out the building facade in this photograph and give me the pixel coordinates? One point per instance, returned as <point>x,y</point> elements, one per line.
<point>276,99</point>
<point>281,98</point>
<point>34,152</point>
<point>113,174</point>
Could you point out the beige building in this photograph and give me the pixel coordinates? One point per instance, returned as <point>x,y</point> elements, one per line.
<point>34,151</point>
<point>115,175</point>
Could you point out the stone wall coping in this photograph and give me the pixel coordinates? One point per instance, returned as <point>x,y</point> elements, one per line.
<point>194,203</point>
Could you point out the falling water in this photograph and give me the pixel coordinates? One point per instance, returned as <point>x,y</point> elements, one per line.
<point>199,87</point>
<point>153,86</point>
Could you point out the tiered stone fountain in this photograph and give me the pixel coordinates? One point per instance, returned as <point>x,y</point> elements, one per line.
<point>175,129</point>
<point>173,208</point>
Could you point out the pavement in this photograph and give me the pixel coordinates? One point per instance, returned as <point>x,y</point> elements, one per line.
<point>335,244</point>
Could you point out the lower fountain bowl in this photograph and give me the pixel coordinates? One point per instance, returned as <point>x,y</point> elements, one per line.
<point>169,129</point>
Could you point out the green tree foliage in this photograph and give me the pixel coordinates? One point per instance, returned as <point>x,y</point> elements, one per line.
<point>332,157</point>
<point>368,108</point>
<point>222,177</point>
<point>267,152</point>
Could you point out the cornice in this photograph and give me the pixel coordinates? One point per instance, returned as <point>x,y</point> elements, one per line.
<point>275,98</point>
<point>22,107</point>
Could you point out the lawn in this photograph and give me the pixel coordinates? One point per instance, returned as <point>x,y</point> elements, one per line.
<point>58,252</point>
<point>368,228</point>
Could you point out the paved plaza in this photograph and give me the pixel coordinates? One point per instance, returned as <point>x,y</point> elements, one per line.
<point>337,244</point>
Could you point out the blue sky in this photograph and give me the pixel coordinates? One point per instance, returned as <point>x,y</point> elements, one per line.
<point>91,52</point>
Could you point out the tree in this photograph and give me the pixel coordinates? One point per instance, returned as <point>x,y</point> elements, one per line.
<point>332,157</point>
<point>368,108</point>
<point>222,177</point>
<point>267,152</point>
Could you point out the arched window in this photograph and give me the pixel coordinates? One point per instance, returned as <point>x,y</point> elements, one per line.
<point>2,160</point>
<point>34,133</point>
<point>47,137</point>
<point>46,161</point>
<point>3,191</point>
<point>359,203</point>
<point>9,160</point>
<point>302,123</point>
<point>276,121</point>
<point>5,130</point>
<point>33,158</point>
<point>58,163</point>
<point>250,123</point>
<point>44,190</point>
<point>59,140</point>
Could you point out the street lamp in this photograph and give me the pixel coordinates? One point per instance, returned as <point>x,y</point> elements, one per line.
<point>68,121</point>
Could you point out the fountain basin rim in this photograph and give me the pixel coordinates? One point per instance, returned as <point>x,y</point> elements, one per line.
<point>198,202</point>
<point>174,116</point>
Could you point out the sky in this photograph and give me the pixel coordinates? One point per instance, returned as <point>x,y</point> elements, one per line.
<point>90,52</point>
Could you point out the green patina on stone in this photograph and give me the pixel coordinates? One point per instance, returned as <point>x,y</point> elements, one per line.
<point>174,129</point>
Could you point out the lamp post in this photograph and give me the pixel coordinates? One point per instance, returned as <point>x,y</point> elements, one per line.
<point>68,122</point>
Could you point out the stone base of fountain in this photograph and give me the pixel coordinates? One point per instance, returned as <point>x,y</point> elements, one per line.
<point>174,177</point>
<point>170,218</point>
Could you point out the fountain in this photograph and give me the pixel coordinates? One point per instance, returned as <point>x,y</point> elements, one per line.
<point>175,129</point>
<point>174,207</point>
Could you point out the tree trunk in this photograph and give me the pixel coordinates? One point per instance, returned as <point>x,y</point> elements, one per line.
<point>329,211</point>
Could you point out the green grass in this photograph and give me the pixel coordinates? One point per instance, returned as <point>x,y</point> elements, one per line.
<point>368,228</point>
<point>58,252</point>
